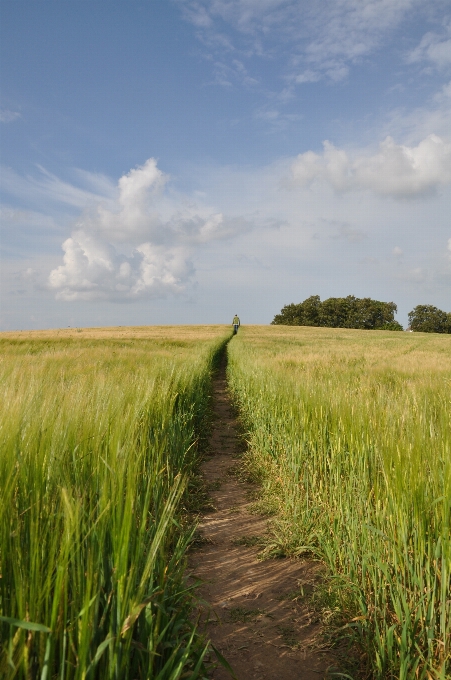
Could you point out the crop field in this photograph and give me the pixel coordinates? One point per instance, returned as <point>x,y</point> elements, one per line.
<point>98,432</point>
<point>350,436</point>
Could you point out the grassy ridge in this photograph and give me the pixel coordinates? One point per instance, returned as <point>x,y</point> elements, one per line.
<point>350,433</point>
<point>97,432</point>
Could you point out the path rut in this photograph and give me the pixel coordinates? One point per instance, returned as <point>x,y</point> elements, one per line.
<point>250,611</point>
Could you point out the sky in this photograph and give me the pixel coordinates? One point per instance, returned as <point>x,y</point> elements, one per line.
<point>180,161</point>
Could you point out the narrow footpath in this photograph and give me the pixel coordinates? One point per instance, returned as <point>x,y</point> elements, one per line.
<point>253,610</point>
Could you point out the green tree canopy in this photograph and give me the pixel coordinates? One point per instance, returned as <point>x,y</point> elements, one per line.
<point>348,312</point>
<point>429,319</point>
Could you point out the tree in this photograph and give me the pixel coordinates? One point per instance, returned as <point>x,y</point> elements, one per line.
<point>290,315</point>
<point>429,319</point>
<point>391,326</point>
<point>311,310</point>
<point>348,312</point>
<point>304,314</point>
<point>335,312</point>
<point>368,313</point>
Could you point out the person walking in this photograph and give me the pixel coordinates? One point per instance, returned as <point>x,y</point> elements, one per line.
<point>236,324</point>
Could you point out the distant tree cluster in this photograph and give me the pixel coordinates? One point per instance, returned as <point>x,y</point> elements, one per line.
<point>352,312</point>
<point>429,319</point>
<point>348,312</point>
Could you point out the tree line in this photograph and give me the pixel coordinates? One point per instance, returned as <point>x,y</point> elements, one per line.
<point>364,313</point>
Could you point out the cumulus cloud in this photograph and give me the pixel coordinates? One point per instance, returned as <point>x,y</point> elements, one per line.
<point>396,170</point>
<point>139,245</point>
<point>93,269</point>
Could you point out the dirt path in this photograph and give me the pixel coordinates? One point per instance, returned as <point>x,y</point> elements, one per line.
<point>250,613</point>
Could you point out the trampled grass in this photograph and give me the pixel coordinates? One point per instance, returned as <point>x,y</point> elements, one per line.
<point>97,433</point>
<point>350,433</point>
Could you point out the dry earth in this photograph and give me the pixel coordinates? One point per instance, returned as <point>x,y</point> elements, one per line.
<point>252,610</point>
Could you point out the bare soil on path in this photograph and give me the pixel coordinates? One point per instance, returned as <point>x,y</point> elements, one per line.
<point>251,610</point>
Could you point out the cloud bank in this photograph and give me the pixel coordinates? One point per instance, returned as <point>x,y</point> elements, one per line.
<point>396,170</point>
<point>138,245</point>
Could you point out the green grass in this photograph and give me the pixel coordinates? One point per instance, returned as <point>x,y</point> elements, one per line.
<point>248,541</point>
<point>243,615</point>
<point>98,432</point>
<point>350,436</point>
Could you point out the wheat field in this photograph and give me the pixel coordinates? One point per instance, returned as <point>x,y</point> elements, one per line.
<point>98,432</point>
<point>350,436</point>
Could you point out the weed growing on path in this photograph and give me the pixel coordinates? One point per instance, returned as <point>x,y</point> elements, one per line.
<point>242,615</point>
<point>249,541</point>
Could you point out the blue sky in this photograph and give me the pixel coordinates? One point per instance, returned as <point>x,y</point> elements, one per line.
<point>177,161</point>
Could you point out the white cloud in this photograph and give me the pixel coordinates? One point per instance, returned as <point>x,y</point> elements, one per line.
<point>445,93</point>
<point>414,125</point>
<point>27,231</point>
<point>49,188</point>
<point>197,14</point>
<point>307,76</point>
<point>433,48</point>
<point>133,215</point>
<point>396,170</point>
<point>351,235</point>
<point>449,248</point>
<point>312,240</point>
<point>16,219</point>
<point>96,182</point>
<point>415,275</point>
<point>324,38</point>
<point>233,71</point>
<point>346,31</point>
<point>275,119</point>
<point>142,211</point>
<point>7,116</point>
<point>159,230</point>
<point>93,270</point>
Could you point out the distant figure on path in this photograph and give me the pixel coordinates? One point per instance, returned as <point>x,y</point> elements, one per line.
<point>236,324</point>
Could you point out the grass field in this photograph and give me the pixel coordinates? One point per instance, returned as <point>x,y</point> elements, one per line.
<point>98,433</point>
<point>350,435</point>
